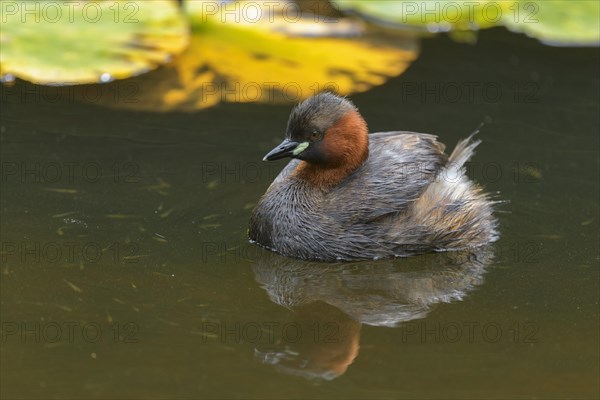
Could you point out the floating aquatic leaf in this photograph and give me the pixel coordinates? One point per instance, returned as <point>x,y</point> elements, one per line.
<point>62,190</point>
<point>64,308</point>
<point>529,171</point>
<point>587,221</point>
<point>120,216</point>
<point>233,60</point>
<point>554,22</point>
<point>66,214</point>
<point>428,16</point>
<point>66,43</point>
<point>160,185</point>
<point>209,226</point>
<point>557,22</point>
<point>73,286</point>
<point>159,238</point>
<point>134,258</point>
<point>167,213</point>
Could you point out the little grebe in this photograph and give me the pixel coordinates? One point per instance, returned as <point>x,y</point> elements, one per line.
<point>347,194</point>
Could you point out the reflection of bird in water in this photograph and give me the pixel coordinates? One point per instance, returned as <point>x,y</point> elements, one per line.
<point>380,293</point>
<point>331,301</point>
<point>327,345</point>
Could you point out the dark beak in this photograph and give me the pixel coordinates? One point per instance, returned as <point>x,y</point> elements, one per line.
<point>285,149</point>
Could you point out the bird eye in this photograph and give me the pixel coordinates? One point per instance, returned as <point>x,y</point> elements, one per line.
<point>315,135</point>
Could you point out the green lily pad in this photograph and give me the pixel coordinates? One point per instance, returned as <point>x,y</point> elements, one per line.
<point>427,16</point>
<point>553,22</point>
<point>557,22</point>
<point>68,43</point>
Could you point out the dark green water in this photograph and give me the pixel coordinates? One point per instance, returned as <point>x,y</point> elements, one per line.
<point>132,226</point>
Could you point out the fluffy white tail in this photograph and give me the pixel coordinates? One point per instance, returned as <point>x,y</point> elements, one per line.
<point>464,150</point>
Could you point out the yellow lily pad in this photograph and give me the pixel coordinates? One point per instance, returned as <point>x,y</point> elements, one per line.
<point>233,59</point>
<point>68,43</point>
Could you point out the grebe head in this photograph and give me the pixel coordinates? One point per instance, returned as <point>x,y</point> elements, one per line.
<point>326,131</point>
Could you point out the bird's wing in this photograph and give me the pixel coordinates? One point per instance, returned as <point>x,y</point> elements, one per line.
<point>400,167</point>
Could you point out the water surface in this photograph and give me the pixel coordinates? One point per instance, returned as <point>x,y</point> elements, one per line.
<point>133,225</point>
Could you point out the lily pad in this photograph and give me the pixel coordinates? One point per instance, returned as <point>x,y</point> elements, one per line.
<point>553,22</point>
<point>427,16</point>
<point>68,43</point>
<point>232,59</point>
<point>557,22</point>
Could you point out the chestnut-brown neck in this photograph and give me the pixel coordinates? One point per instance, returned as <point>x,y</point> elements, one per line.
<point>346,146</point>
